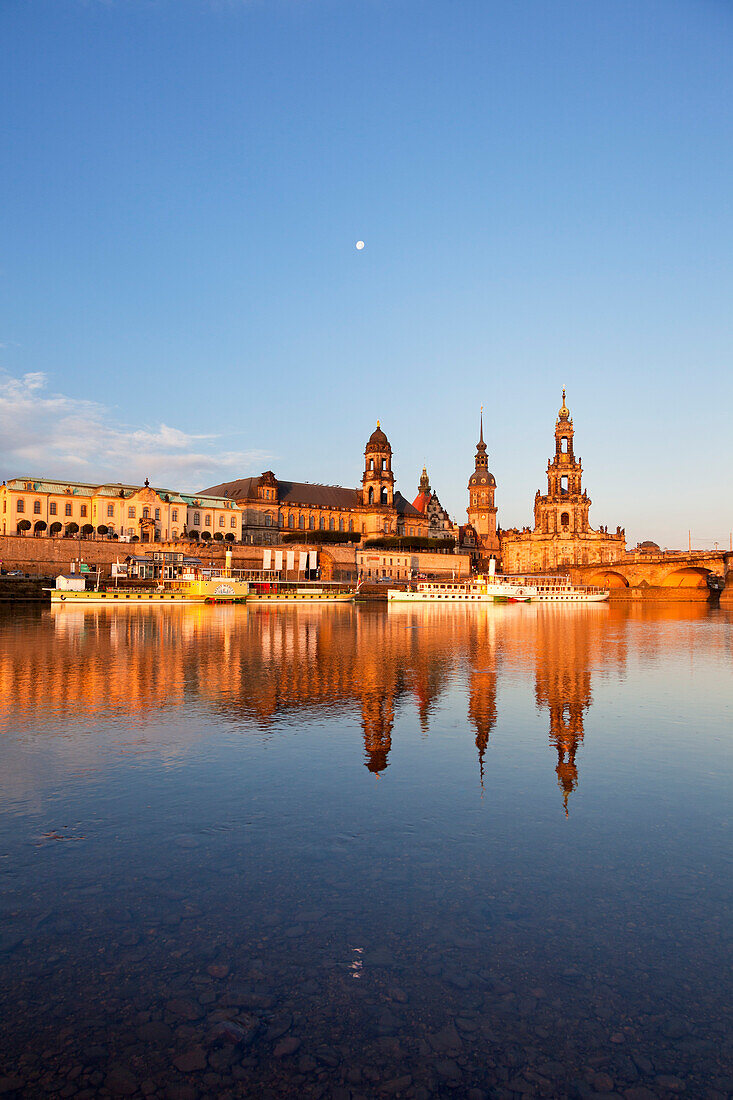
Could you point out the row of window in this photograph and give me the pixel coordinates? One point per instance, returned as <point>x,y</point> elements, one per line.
<point>131,512</point>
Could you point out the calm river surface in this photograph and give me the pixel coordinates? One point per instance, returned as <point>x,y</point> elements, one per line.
<point>357,852</point>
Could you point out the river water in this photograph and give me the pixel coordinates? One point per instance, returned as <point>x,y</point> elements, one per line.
<point>353,852</point>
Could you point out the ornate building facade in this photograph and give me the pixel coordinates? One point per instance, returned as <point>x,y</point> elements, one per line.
<point>481,508</point>
<point>562,534</point>
<point>44,508</point>
<point>426,502</point>
<point>271,507</point>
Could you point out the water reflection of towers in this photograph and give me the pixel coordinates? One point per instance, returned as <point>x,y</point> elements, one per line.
<point>251,666</point>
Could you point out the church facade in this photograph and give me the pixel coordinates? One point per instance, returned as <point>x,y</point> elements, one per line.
<point>562,535</point>
<point>272,507</point>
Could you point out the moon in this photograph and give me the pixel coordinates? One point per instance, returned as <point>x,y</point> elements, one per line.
<point>359,245</point>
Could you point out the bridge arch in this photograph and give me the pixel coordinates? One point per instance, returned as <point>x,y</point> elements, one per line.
<point>608,578</point>
<point>689,576</point>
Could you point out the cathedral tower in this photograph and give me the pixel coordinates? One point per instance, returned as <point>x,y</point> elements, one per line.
<point>481,488</point>
<point>565,508</point>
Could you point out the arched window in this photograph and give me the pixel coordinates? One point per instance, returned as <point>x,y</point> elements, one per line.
<point>291,521</point>
<point>384,463</point>
<point>341,524</point>
<point>311,522</point>
<point>196,519</point>
<point>331,524</point>
<point>564,484</point>
<point>371,463</point>
<point>207,521</point>
<point>565,519</point>
<point>383,497</point>
<point>371,495</point>
<point>268,520</point>
<point>36,507</point>
<point>351,525</point>
<point>280,519</point>
<point>322,523</point>
<point>301,523</point>
<point>564,444</point>
<point>146,513</point>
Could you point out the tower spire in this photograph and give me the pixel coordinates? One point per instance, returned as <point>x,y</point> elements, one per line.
<point>481,437</point>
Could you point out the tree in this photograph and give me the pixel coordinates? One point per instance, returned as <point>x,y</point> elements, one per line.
<point>72,528</point>
<point>206,535</point>
<point>87,529</point>
<point>39,526</point>
<point>55,528</point>
<point>219,537</point>
<point>229,537</point>
<point>23,526</point>
<point>102,529</point>
<point>193,534</point>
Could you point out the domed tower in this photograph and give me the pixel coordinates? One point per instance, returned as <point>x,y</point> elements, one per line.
<point>481,510</point>
<point>377,480</point>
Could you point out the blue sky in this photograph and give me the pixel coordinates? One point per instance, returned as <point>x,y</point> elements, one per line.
<point>544,190</point>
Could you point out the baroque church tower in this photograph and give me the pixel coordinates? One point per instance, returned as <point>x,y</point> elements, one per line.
<point>562,534</point>
<point>565,508</point>
<point>481,510</point>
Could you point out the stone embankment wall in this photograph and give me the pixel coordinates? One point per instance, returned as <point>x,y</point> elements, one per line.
<point>652,592</point>
<point>46,557</point>
<point>24,589</point>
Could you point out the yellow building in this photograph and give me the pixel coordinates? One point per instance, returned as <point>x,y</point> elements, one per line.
<point>44,508</point>
<point>271,507</point>
<point>562,535</point>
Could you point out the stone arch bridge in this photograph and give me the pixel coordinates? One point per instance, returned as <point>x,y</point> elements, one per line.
<point>670,570</point>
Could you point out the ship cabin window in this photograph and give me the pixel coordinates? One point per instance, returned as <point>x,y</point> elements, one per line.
<point>36,507</point>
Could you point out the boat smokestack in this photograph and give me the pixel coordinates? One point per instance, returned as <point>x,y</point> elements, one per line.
<point>492,567</point>
<point>228,563</point>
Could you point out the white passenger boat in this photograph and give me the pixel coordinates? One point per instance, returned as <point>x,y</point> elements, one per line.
<point>477,589</point>
<point>560,589</point>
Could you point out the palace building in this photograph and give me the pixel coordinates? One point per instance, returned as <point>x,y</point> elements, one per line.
<point>562,535</point>
<point>46,508</point>
<point>271,507</point>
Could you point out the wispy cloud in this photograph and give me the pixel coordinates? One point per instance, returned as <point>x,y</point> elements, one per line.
<point>51,434</point>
